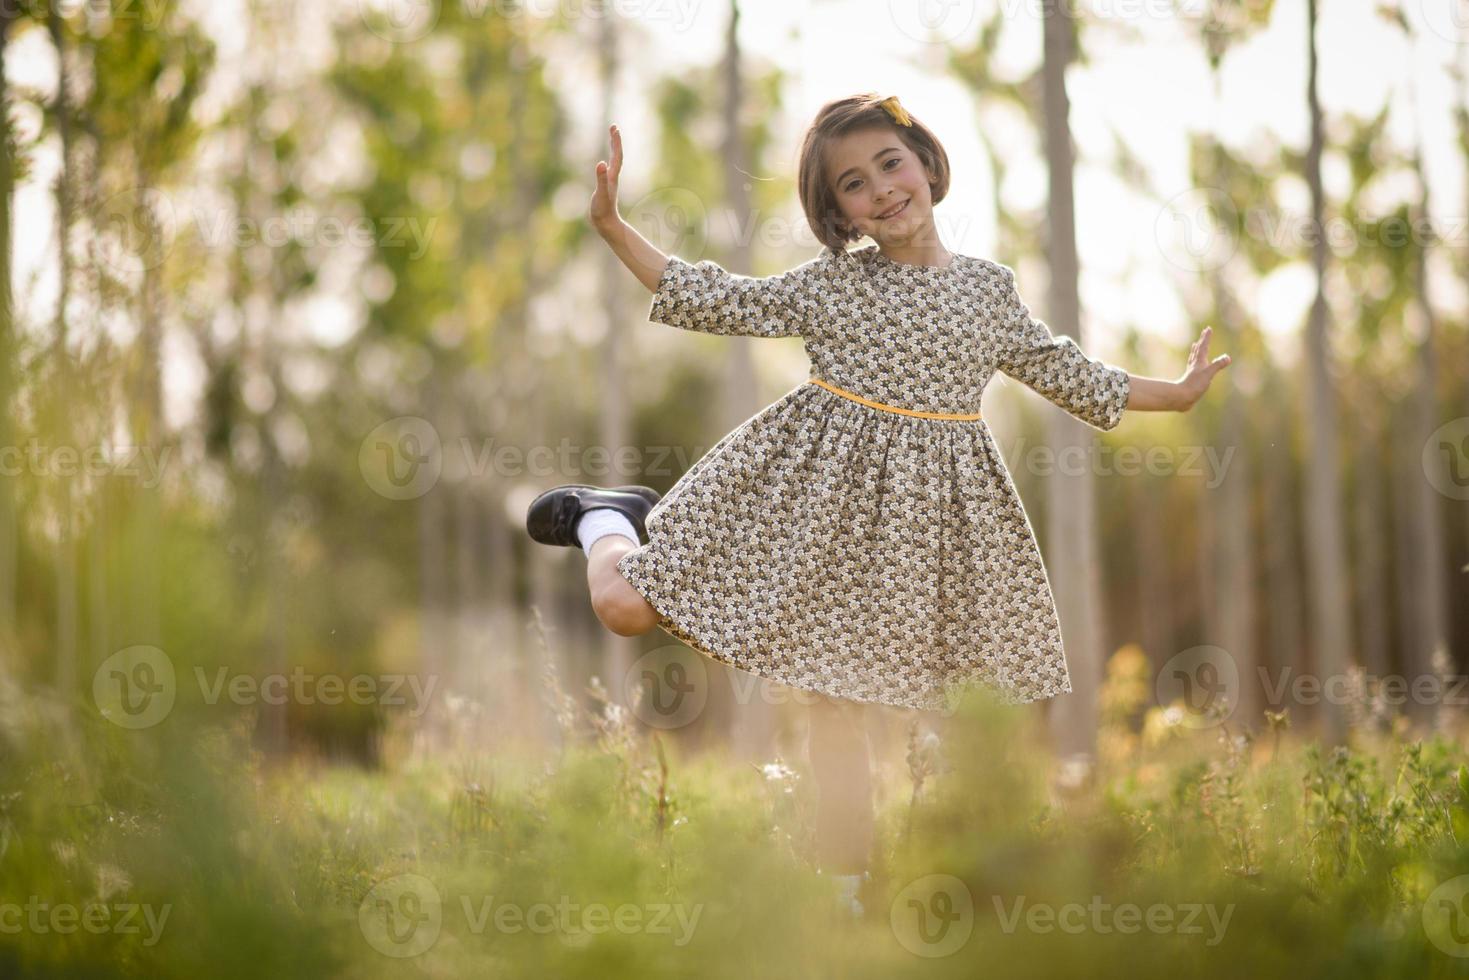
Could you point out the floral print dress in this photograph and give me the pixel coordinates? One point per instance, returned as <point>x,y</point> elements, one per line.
<point>851,539</point>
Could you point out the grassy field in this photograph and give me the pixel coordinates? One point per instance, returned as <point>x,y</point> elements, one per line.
<point>1189,851</point>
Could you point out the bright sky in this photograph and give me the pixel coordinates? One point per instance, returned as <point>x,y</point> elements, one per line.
<point>1148,83</point>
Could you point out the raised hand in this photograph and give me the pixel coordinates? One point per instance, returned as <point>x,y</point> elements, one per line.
<point>603,211</point>
<point>1200,371</point>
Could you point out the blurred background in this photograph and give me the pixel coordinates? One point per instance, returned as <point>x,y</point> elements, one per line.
<point>301,309</point>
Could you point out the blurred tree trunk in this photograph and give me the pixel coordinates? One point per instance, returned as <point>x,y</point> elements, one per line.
<point>146,408</point>
<point>1429,551</point>
<point>615,428</point>
<point>64,488</point>
<point>1154,570</point>
<point>1237,610</point>
<point>1368,453</point>
<point>1282,562</point>
<point>9,521</point>
<point>1207,555</point>
<point>272,733</point>
<point>1071,519</point>
<point>434,595</point>
<point>1232,609</point>
<point>1459,73</point>
<point>1325,553</point>
<point>1404,464</point>
<point>531,385</point>
<point>100,614</point>
<point>751,724</point>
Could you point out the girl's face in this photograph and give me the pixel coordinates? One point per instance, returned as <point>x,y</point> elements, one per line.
<point>882,188</point>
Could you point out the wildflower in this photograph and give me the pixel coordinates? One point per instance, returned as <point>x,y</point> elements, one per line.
<point>111,880</point>
<point>65,852</point>
<point>778,772</point>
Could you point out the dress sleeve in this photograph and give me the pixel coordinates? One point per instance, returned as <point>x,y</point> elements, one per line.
<point>1055,367</point>
<point>706,297</point>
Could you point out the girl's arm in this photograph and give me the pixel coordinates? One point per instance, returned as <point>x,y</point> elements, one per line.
<point>1090,389</point>
<point>702,296</point>
<point>635,251</point>
<point>1055,367</point>
<point>1160,395</point>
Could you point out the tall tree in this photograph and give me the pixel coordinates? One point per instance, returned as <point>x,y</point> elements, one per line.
<point>614,416</point>
<point>1325,551</point>
<point>1430,560</point>
<point>10,20</point>
<point>752,723</point>
<point>1071,511</point>
<point>66,546</point>
<point>138,110</point>
<point>1228,549</point>
<point>463,138</point>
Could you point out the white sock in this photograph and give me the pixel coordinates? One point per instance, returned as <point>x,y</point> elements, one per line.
<point>600,522</point>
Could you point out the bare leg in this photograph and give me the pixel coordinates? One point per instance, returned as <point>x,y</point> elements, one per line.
<point>840,764</point>
<point>620,607</point>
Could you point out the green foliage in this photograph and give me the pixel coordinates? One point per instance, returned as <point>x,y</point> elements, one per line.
<point>1252,862</point>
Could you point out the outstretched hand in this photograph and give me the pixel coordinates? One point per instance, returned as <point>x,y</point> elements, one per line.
<point>1200,371</point>
<point>603,210</point>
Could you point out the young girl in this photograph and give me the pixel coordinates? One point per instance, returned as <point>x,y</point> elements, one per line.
<point>860,537</point>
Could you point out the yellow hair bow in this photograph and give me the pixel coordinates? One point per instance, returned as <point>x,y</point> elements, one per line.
<point>899,114</point>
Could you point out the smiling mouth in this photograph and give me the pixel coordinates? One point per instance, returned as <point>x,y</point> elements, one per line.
<point>893,213</point>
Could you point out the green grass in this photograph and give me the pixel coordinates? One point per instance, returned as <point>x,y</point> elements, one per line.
<point>1242,857</point>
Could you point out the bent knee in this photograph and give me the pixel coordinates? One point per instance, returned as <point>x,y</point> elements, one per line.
<point>624,611</point>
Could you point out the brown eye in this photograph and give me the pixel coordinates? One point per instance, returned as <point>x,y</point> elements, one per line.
<point>889,160</point>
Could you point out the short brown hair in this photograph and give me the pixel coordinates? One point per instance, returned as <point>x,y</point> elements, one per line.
<point>836,119</point>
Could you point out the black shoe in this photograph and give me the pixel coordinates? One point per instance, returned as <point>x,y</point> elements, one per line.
<point>551,517</point>
<point>647,493</point>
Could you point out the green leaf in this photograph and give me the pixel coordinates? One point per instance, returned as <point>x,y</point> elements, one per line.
<point>1459,817</point>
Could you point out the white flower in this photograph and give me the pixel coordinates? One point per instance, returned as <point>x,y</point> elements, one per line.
<point>777,771</point>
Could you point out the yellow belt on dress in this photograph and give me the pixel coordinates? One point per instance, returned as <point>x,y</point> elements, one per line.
<point>893,408</point>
